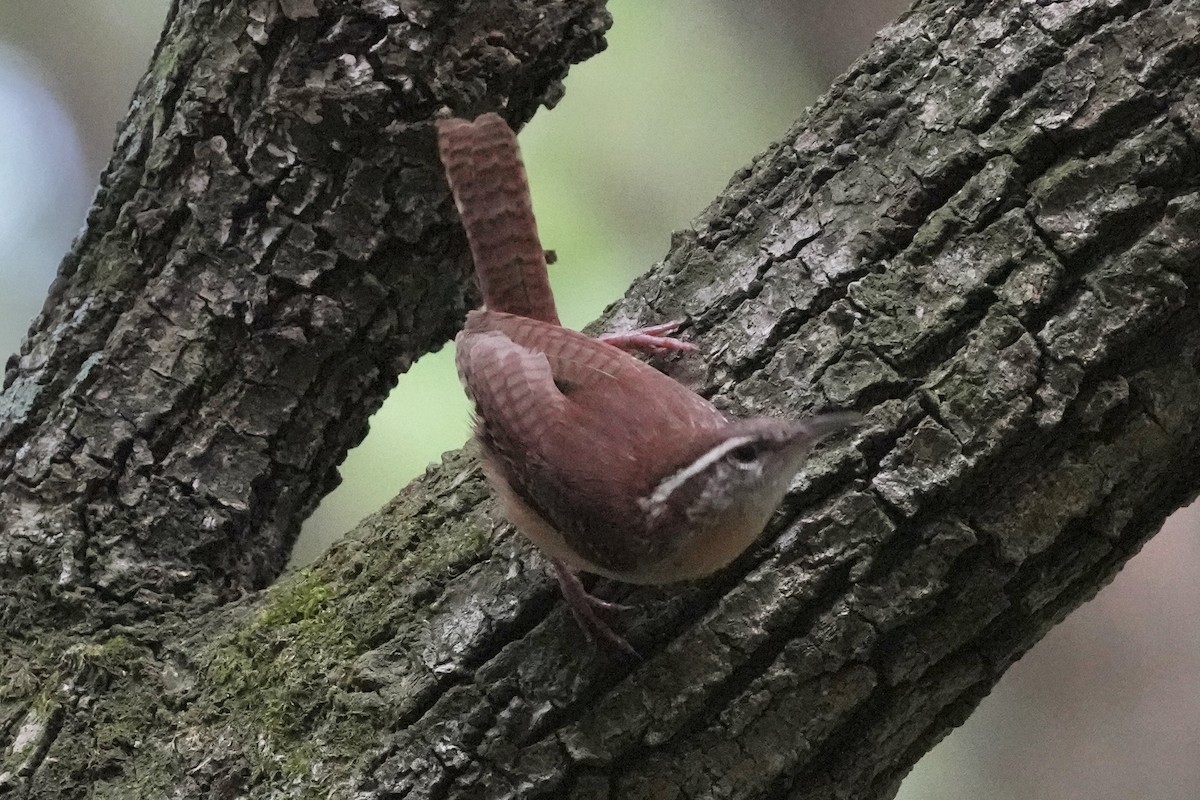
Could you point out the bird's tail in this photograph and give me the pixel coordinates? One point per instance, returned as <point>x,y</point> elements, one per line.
<point>486,176</point>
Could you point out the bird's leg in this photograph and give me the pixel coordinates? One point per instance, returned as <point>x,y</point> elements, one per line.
<point>584,605</point>
<point>653,339</point>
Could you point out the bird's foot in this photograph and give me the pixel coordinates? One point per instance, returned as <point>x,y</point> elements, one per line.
<point>585,607</point>
<point>653,339</point>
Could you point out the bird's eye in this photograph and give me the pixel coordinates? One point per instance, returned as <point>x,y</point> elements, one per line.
<point>744,454</point>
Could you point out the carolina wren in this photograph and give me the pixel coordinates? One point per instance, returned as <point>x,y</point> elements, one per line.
<point>607,464</point>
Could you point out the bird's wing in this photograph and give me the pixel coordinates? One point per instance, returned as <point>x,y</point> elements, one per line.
<point>578,428</point>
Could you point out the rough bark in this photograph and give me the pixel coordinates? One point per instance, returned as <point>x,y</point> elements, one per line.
<point>986,237</point>
<point>269,248</point>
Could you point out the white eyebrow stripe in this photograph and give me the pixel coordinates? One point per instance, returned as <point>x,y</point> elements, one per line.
<point>669,485</point>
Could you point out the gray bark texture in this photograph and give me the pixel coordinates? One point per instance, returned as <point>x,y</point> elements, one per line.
<point>986,238</point>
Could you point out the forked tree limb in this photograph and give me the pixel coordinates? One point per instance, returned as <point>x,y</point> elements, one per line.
<point>271,245</point>
<point>986,237</point>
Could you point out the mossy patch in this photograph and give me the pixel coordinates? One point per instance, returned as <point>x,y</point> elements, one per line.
<point>282,675</point>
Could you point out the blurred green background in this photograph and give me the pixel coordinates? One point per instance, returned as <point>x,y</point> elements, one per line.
<point>1107,706</point>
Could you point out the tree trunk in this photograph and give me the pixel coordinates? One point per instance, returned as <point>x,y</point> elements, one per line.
<point>986,237</point>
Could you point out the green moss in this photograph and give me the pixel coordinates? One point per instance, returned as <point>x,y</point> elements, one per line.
<point>435,554</point>
<point>115,656</point>
<point>283,673</point>
<point>291,674</point>
<point>117,681</point>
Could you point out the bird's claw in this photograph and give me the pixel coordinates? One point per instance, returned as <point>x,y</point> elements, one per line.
<point>652,339</point>
<point>584,606</point>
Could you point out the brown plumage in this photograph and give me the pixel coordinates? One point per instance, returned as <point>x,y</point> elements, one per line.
<point>485,173</point>
<point>608,465</point>
<point>562,419</point>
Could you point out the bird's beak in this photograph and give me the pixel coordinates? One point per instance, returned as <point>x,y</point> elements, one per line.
<point>814,429</point>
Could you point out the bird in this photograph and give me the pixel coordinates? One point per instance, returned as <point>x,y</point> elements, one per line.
<point>606,464</point>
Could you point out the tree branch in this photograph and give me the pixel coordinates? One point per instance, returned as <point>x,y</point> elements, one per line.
<point>986,237</point>
<point>270,246</point>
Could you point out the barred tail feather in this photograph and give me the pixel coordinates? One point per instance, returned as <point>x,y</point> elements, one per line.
<point>486,176</point>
